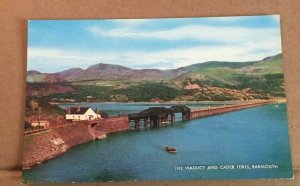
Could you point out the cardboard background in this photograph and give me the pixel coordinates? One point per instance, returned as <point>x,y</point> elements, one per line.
<point>13,45</point>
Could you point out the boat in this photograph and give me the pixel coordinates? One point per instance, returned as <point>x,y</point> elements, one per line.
<point>171,149</point>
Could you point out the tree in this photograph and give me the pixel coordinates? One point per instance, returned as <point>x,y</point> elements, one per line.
<point>33,105</point>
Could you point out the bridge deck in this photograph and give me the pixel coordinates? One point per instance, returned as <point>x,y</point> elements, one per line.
<point>205,112</point>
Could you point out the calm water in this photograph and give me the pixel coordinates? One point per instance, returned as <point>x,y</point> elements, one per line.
<point>253,136</point>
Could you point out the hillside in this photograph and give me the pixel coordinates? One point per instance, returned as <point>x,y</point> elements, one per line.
<point>203,81</point>
<point>41,107</point>
<point>265,75</point>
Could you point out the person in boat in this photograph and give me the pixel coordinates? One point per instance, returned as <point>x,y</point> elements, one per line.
<point>170,149</point>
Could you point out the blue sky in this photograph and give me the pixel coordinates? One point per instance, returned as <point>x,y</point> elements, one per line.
<point>56,45</point>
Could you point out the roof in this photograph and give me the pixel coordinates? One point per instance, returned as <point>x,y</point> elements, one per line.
<point>155,111</point>
<point>77,110</point>
<point>180,108</point>
<point>159,111</point>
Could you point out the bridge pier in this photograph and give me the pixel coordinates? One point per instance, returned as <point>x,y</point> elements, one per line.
<point>185,116</point>
<point>157,122</point>
<point>172,118</point>
<point>136,123</point>
<point>146,122</point>
<point>164,120</point>
<point>151,122</point>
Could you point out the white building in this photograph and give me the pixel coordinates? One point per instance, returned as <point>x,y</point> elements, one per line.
<point>81,113</point>
<point>40,123</point>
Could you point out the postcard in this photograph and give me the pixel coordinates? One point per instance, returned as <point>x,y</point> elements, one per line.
<point>155,99</point>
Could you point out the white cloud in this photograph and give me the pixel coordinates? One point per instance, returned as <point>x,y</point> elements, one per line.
<point>57,54</point>
<point>193,32</point>
<point>59,59</point>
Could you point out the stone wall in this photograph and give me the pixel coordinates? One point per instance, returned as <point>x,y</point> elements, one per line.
<point>49,144</point>
<point>113,124</point>
<point>42,147</point>
<point>52,143</point>
<point>75,134</point>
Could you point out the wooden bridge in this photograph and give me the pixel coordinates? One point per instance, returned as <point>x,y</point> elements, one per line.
<point>158,116</point>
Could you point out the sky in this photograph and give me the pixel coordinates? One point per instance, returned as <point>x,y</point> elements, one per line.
<point>166,43</point>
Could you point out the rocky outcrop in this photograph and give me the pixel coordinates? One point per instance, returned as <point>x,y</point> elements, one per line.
<point>97,134</point>
<point>191,86</point>
<point>100,135</point>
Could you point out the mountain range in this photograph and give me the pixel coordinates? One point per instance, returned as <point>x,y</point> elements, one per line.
<point>213,80</point>
<point>106,72</point>
<point>109,72</point>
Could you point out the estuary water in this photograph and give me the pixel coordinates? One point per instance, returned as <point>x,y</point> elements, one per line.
<point>251,143</point>
<point>126,108</point>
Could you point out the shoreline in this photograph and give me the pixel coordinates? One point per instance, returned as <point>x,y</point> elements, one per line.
<point>41,147</point>
<point>280,100</point>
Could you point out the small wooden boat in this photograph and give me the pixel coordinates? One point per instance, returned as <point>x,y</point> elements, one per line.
<point>171,149</point>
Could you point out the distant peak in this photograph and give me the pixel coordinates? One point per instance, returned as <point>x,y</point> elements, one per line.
<point>105,66</point>
<point>72,70</point>
<point>32,72</point>
<point>269,58</point>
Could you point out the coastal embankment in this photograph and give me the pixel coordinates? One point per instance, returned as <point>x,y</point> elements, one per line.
<point>113,124</point>
<point>50,143</point>
<point>55,141</point>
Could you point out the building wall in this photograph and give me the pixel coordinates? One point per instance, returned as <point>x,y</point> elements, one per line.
<point>85,116</point>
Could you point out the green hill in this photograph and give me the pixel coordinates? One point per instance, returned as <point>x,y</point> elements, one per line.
<point>203,81</point>
<point>264,76</point>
